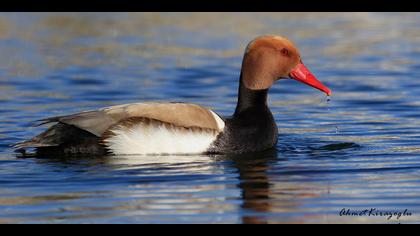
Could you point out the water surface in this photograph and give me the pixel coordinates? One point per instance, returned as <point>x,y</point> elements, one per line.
<point>359,151</point>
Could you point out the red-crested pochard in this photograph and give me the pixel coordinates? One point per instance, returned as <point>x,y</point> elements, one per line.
<point>178,128</point>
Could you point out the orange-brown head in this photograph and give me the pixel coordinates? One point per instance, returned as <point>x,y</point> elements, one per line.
<point>270,58</point>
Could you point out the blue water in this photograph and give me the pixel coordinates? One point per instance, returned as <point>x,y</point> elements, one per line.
<point>359,151</point>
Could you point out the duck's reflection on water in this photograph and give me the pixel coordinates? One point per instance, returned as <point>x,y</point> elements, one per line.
<point>254,184</point>
<point>267,197</point>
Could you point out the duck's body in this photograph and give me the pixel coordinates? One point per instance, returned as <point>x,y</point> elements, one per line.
<point>160,128</point>
<point>179,128</point>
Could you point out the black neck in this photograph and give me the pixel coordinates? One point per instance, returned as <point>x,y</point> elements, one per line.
<point>250,99</point>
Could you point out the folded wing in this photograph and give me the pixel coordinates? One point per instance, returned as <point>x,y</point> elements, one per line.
<point>97,122</point>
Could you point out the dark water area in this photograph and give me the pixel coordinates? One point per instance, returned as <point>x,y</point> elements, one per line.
<point>359,151</point>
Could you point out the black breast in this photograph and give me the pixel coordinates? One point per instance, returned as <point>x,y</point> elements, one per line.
<point>252,131</point>
<point>252,127</point>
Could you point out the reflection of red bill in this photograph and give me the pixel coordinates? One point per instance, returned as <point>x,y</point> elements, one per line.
<point>302,74</point>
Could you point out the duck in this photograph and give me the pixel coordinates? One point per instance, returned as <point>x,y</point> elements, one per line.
<point>158,128</point>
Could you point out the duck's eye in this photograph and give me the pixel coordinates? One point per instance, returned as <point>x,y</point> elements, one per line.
<point>284,52</point>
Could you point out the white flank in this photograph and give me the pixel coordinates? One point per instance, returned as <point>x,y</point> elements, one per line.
<point>158,139</point>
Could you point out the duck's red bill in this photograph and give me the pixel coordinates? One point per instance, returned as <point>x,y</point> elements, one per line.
<point>302,74</point>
